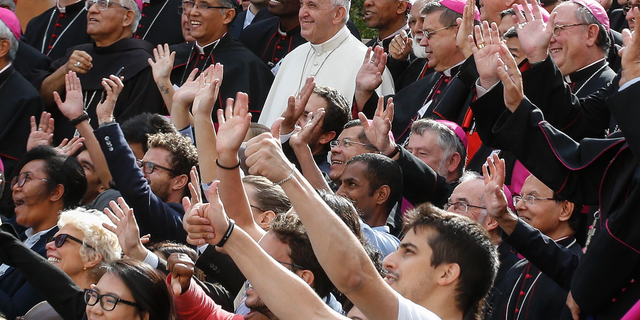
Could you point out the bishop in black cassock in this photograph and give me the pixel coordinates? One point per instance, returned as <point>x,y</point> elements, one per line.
<point>160,22</point>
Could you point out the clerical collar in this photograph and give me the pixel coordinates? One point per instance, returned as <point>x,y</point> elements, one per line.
<point>64,9</point>
<point>146,1</point>
<point>332,43</point>
<point>215,44</point>
<point>379,41</point>
<point>5,68</point>
<point>584,71</point>
<point>450,71</point>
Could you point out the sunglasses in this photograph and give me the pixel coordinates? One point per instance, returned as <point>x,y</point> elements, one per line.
<point>60,240</point>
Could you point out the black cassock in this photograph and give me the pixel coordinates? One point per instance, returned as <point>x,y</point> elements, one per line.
<point>20,101</point>
<point>602,172</point>
<point>140,93</point>
<point>160,22</point>
<point>53,32</point>
<point>243,71</point>
<point>266,41</point>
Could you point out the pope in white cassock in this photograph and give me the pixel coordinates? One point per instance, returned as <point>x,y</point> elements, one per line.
<point>333,56</point>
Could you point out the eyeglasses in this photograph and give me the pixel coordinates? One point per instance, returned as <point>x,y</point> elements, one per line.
<point>460,206</point>
<point>293,265</point>
<point>529,199</point>
<point>347,143</point>
<point>22,179</point>
<point>188,5</point>
<point>627,7</point>
<point>102,4</point>
<point>428,34</point>
<point>559,27</point>
<point>150,167</point>
<point>108,302</point>
<point>60,240</point>
<point>252,206</point>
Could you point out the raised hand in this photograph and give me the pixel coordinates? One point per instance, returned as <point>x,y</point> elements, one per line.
<point>42,134</point>
<point>302,136</point>
<point>162,63</point>
<point>69,147</point>
<point>216,214</point>
<point>126,228</point>
<point>400,46</point>
<point>370,75</point>
<point>511,80</point>
<point>265,156</point>
<point>296,106</point>
<point>494,198</point>
<point>630,54</point>
<point>73,106</point>
<point>113,86</point>
<point>378,131</point>
<point>485,51</point>
<point>465,28</point>
<point>181,268</point>
<point>183,97</point>
<point>195,223</point>
<point>533,33</point>
<point>233,123</point>
<point>194,186</point>
<point>208,88</point>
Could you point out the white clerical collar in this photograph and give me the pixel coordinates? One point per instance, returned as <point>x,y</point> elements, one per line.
<point>567,78</point>
<point>215,44</point>
<point>62,9</point>
<point>5,68</point>
<point>146,1</point>
<point>332,43</point>
<point>448,71</point>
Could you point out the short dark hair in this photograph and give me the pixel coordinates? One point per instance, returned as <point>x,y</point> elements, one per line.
<point>232,5</point>
<point>337,112</point>
<point>269,196</point>
<point>183,153</point>
<point>147,286</point>
<point>138,128</point>
<point>508,12</point>
<point>63,170</point>
<point>574,219</point>
<point>289,229</point>
<point>361,136</point>
<point>463,241</point>
<point>510,33</point>
<point>381,170</point>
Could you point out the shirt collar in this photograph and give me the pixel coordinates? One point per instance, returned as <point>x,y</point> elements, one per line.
<point>215,44</point>
<point>449,71</point>
<point>5,68</point>
<point>32,238</point>
<point>332,43</point>
<point>568,77</point>
<point>379,41</point>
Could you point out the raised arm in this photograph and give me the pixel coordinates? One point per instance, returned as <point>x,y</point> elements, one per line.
<point>338,250</point>
<point>369,77</point>
<point>299,142</point>
<point>161,66</point>
<point>204,100</point>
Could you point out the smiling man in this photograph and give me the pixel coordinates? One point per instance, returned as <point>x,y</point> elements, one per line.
<point>389,17</point>
<point>209,25</point>
<point>331,50</point>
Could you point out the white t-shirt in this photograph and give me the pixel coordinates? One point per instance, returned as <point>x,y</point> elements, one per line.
<point>408,310</point>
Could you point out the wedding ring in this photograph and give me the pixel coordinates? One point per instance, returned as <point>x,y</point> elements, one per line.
<point>207,83</point>
<point>480,46</point>
<point>77,64</point>
<point>521,25</point>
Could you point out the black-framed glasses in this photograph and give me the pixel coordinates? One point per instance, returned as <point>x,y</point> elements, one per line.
<point>292,265</point>
<point>559,27</point>
<point>428,34</point>
<point>529,199</point>
<point>102,4</point>
<point>461,206</point>
<point>627,7</point>
<point>108,302</point>
<point>150,167</point>
<point>347,143</point>
<point>60,240</point>
<point>188,5</point>
<point>22,178</point>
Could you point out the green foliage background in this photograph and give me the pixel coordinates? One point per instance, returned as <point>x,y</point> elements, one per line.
<point>357,15</point>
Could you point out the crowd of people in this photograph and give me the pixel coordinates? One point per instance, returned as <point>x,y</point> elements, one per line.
<point>217,159</point>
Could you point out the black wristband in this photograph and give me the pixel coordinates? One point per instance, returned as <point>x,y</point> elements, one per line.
<point>227,234</point>
<point>227,168</point>
<point>79,119</point>
<point>394,152</point>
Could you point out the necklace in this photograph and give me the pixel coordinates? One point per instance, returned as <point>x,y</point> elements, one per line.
<point>44,38</point>
<point>306,59</point>
<point>215,44</point>
<point>154,19</point>
<point>593,75</point>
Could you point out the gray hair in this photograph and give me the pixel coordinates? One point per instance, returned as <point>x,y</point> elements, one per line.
<point>133,6</point>
<point>9,4</point>
<point>5,33</point>
<point>585,16</point>
<point>343,3</point>
<point>447,140</point>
